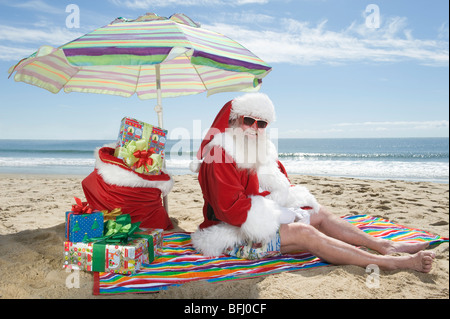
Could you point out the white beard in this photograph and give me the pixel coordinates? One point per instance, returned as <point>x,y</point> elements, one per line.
<point>250,150</point>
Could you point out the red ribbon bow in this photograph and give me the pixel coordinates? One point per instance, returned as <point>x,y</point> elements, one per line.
<point>144,159</point>
<point>81,207</point>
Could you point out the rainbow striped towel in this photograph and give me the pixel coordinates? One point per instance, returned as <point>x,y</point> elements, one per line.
<point>180,263</point>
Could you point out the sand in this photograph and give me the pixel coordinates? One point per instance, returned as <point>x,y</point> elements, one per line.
<point>32,233</point>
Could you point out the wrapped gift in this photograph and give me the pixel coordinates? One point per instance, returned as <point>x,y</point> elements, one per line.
<point>122,259</point>
<point>141,146</point>
<point>123,249</point>
<point>156,234</point>
<point>82,222</point>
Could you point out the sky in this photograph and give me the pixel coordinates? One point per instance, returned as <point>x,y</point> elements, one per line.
<point>341,68</point>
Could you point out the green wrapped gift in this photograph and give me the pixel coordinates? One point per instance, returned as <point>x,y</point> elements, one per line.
<point>141,146</point>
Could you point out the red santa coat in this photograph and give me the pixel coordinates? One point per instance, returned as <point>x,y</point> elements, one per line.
<point>227,189</point>
<point>242,204</point>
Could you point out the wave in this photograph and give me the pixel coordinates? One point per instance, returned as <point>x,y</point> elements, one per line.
<point>45,161</point>
<point>365,169</point>
<point>49,151</point>
<point>407,170</point>
<point>351,156</point>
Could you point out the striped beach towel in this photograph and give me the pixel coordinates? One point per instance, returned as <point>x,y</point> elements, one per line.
<point>179,263</point>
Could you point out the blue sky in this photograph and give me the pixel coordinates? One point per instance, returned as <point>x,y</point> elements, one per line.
<point>336,72</point>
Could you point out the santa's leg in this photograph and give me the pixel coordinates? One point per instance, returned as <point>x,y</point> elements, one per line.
<point>297,236</point>
<point>338,228</point>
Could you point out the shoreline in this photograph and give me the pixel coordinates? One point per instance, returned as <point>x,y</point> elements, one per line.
<point>83,175</point>
<point>32,211</point>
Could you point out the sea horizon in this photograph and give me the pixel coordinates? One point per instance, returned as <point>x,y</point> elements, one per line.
<point>388,158</point>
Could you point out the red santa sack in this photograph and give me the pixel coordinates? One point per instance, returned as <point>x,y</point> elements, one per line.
<point>114,185</point>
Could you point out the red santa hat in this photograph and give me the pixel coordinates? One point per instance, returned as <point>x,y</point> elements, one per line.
<point>257,105</point>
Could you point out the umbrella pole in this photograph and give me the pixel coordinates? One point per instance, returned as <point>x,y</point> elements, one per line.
<point>159,111</point>
<point>158,107</point>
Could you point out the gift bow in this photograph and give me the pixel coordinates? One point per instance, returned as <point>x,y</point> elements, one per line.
<point>111,215</point>
<point>117,231</point>
<point>81,207</point>
<point>144,159</point>
<point>120,231</point>
<point>137,156</point>
<point>148,161</point>
<point>128,150</point>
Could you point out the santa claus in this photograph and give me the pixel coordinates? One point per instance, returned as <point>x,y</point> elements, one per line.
<point>245,187</point>
<point>251,210</point>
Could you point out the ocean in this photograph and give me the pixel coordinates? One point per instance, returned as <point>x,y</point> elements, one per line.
<point>409,159</point>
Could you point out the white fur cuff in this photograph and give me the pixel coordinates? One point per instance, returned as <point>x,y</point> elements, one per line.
<point>262,219</point>
<point>299,196</point>
<point>213,240</point>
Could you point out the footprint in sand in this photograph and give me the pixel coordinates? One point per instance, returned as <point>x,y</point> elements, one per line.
<point>440,223</point>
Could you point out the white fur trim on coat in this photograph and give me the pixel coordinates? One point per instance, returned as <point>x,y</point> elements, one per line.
<point>299,196</point>
<point>213,240</point>
<point>281,191</point>
<point>114,175</point>
<point>194,166</point>
<point>273,180</point>
<point>261,224</point>
<point>262,219</point>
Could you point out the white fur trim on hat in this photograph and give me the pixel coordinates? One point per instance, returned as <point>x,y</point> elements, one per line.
<point>256,105</point>
<point>114,175</point>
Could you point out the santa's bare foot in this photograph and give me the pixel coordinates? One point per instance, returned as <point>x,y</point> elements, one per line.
<point>391,247</point>
<point>422,261</point>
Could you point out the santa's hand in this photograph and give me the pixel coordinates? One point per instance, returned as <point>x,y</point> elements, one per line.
<point>299,213</point>
<point>287,216</point>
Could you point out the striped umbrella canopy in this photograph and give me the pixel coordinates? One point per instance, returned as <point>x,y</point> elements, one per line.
<point>152,56</point>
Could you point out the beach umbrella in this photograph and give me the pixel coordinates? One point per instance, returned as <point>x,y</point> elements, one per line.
<point>152,56</point>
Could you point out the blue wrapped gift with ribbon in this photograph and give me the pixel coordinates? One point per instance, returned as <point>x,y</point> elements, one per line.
<point>82,222</point>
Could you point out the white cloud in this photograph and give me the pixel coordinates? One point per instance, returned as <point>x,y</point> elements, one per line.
<point>394,128</point>
<point>19,42</point>
<point>299,42</point>
<point>372,129</point>
<point>276,40</point>
<point>36,5</point>
<point>53,35</point>
<point>13,53</point>
<point>399,124</point>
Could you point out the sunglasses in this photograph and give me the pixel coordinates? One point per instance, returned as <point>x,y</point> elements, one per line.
<point>249,121</point>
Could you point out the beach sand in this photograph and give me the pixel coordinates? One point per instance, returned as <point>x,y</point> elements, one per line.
<point>32,212</point>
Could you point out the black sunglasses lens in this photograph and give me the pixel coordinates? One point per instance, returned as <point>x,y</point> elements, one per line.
<point>262,124</point>
<point>249,121</point>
